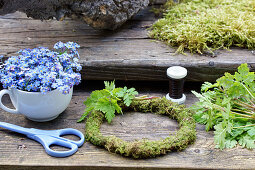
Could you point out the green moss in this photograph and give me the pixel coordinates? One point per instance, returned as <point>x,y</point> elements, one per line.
<point>145,148</point>
<point>207,25</point>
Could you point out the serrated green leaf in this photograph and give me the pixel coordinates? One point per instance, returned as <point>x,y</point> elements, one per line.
<point>116,106</point>
<point>198,95</point>
<point>230,143</point>
<point>236,132</point>
<point>132,91</point>
<point>127,100</point>
<point>207,85</point>
<point>226,113</point>
<point>118,92</point>
<point>129,95</point>
<point>199,116</point>
<point>109,85</point>
<point>220,135</point>
<point>209,117</point>
<point>226,81</point>
<point>95,95</point>
<point>91,101</point>
<point>199,119</point>
<point>86,113</point>
<point>249,78</point>
<point>225,100</point>
<point>82,118</point>
<point>106,100</point>
<point>247,141</point>
<point>203,99</point>
<point>110,115</point>
<point>105,105</point>
<point>251,132</point>
<point>243,69</point>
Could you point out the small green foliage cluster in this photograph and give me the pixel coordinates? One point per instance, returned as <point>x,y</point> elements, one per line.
<point>228,107</point>
<point>207,25</point>
<point>145,148</point>
<point>107,100</point>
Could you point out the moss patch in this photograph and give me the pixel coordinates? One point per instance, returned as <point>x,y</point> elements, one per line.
<point>145,148</point>
<point>207,25</point>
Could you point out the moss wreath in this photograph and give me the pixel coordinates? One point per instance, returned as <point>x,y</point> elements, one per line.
<point>145,148</point>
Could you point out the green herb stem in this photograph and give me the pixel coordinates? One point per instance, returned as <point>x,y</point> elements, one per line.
<point>243,104</point>
<point>247,90</point>
<point>243,111</point>
<point>252,102</point>
<point>243,126</point>
<point>239,114</point>
<point>243,118</point>
<point>242,115</point>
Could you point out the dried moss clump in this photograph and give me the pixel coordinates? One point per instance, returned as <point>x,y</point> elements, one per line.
<point>145,148</point>
<point>207,25</point>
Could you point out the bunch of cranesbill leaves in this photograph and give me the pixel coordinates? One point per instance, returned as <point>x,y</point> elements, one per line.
<point>228,107</point>
<point>108,100</point>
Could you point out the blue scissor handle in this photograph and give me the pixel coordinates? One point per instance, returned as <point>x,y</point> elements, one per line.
<point>50,137</point>
<point>53,137</point>
<point>47,141</point>
<point>59,133</point>
<point>70,131</point>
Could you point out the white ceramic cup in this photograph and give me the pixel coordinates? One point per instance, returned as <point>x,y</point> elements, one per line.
<point>35,105</point>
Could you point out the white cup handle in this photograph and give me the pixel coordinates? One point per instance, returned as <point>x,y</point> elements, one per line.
<point>3,92</point>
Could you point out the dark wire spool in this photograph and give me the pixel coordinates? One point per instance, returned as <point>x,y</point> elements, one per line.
<point>176,88</point>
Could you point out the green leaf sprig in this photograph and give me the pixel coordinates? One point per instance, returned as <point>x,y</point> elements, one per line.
<point>228,107</point>
<point>107,100</point>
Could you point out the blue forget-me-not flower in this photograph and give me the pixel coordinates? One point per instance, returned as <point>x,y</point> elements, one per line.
<point>43,70</point>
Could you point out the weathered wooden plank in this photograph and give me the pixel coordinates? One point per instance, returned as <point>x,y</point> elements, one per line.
<point>153,68</point>
<point>125,54</point>
<point>16,151</point>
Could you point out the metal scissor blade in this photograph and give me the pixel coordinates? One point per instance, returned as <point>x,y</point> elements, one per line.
<point>15,128</point>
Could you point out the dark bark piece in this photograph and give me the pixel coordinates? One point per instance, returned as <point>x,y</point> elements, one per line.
<point>100,14</point>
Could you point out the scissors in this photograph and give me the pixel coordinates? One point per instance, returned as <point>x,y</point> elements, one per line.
<point>50,137</point>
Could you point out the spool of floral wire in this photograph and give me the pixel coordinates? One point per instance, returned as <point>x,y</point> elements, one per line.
<point>176,75</point>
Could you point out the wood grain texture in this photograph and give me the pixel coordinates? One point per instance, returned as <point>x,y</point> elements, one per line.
<point>125,54</point>
<point>19,152</point>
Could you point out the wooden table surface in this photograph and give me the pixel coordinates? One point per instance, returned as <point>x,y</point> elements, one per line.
<point>17,151</point>
<point>125,54</point>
